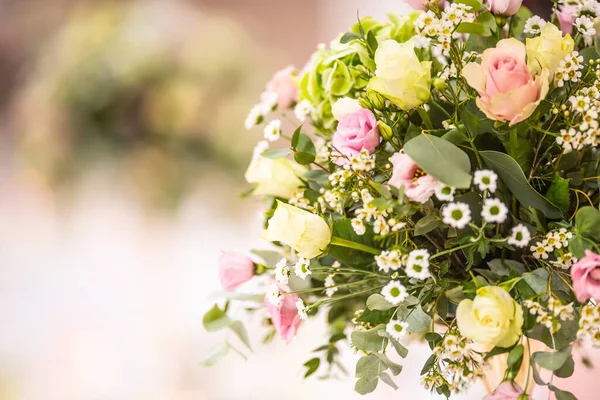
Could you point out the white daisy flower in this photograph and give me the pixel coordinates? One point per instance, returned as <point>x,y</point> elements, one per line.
<point>330,286</point>
<point>444,193</point>
<point>269,101</point>
<point>273,295</point>
<point>586,27</point>
<point>534,25</point>
<point>420,256</point>
<point>282,272</point>
<point>519,236</point>
<point>303,110</point>
<point>302,309</point>
<point>255,116</point>
<point>494,211</point>
<point>272,131</point>
<point>302,268</point>
<point>486,179</point>
<point>394,292</point>
<point>457,215</point>
<point>540,250</point>
<point>417,270</point>
<point>397,329</point>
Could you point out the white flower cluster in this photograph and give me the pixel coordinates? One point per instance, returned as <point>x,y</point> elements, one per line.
<point>585,106</point>
<point>416,263</point>
<point>569,69</point>
<point>330,287</point>
<point>298,200</point>
<point>451,72</point>
<point>534,25</point>
<point>381,224</point>
<point>554,240</point>
<point>441,30</point>
<point>322,149</point>
<point>589,323</point>
<point>282,270</point>
<point>457,365</point>
<point>303,110</point>
<point>550,316</point>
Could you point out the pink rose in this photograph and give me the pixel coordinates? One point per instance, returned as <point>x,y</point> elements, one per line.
<point>420,4</point>
<point>586,277</point>
<point>285,316</point>
<point>282,84</point>
<point>507,90</point>
<point>505,8</point>
<point>417,185</point>
<point>356,131</point>
<point>566,19</point>
<point>506,391</point>
<point>234,269</point>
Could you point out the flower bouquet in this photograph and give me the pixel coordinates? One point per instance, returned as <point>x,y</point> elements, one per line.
<point>444,183</point>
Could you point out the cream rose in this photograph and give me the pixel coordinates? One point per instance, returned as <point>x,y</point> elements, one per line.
<point>492,318</point>
<point>304,232</point>
<point>400,76</point>
<point>548,49</point>
<point>507,89</point>
<point>275,177</point>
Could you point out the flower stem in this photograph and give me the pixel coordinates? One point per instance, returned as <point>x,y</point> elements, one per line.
<point>335,241</point>
<point>441,253</point>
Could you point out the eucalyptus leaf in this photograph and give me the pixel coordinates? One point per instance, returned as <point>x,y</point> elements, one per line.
<point>561,394</point>
<point>395,369</point>
<point>378,302</point>
<point>587,221</point>
<point>368,340</point>
<point>550,360</point>
<point>215,355</point>
<point>215,319</point>
<point>240,331</point>
<point>513,177</point>
<point>385,378</point>
<point>366,385</point>
<point>441,159</point>
<point>426,224</point>
<point>472,28</point>
<point>417,319</point>
<point>515,357</point>
<point>538,280</point>
<point>276,153</point>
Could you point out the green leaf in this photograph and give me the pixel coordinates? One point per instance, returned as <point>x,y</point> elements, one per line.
<point>276,153</point>
<point>366,385</point>
<point>455,136</point>
<point>579,244</point>
<point>376,317</point>
<point>372,41</point>
<point>348,37</point>
<point>215,355</point>
<point>515,357</point>
<point>513,177</point>
<point>550,361</point>
<point>559,194</point>
<point>381,189</point>
<point>395,369</point>
<point>518,21</point>
<point>417,319</point>
<point>428,364</point>
<point>426,224</point>
<point>296,137</point>
<point>312,366</point>
<point>378,302</point>
<point>368,366</point>
<point>433,337</point>
<point>240,331</point>
<point>368,340</point>
<point>215,319</point>
<point>305,152</point>
<point>562,394</point>
<point>488,21</point>
<point>537,280</point>
<point>343,229</point>
<point>385,378</point>
<point>587,221</point>
<point>317,175</point>
<point>567,369</point>
<point>474,4</point>
<point>471,28</point>
<point>456,294</point>
<point>441,159</point>
<point>400,349</point>
<point>497,350</point>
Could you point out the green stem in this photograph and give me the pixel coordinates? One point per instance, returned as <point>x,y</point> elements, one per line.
<point>336,241</point>
<point>441,253</point>
<point>347,271</point>
<point>442,109</point>
<point>334,299</point>
<point>322,289</point>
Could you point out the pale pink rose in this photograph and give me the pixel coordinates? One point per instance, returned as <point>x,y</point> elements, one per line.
<point>420,4</point>
<point>507,90</point>
<point>566,19</point>
<point>506,391</point>
<point>282,84</point>
<point>285,316</point>
<point>356,131</point>
<point>586,277</point>
<point>234,269</point>
<point>417,186</point>
<point>505,8</point>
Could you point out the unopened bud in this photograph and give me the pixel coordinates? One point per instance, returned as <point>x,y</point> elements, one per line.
<point>384,130</point>
<point>377,100</point>
<point>439,83</point>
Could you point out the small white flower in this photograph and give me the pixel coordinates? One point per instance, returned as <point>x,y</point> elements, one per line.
<point>269,101</point>
<point>255,116</point>
<point>553,240</point>
<point>394,292</point>
<point>494,211</point>
<point>359,226</point>
<point>397,329</point>
<point>564,236</point>
<point>534,25</point>
<point>302,268</point>
<point>330,286</point>
<point>485,179</point>
<point>389,260</point>
<point>260,148</point>
<point>519,236</point>
<point>567,139</point>
<point>303,110</point>
<point>457,215</point>
<point>344,106</point>
<point>417,270</point>
<point>273,295</point>
<point>282,272</point>
<point>419,256</point>
<point>565,261</point>
<point>444,193</point>
<point>273,130</point>
<point>302,309</point>
<point>540,250</point>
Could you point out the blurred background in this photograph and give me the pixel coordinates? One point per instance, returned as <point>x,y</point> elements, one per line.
<point>122,152</point>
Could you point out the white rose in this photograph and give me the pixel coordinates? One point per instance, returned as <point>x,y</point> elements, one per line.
<point>304,232</point>
<point>400,76</point>
<point>345,106</point>
<point>275,177</point>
